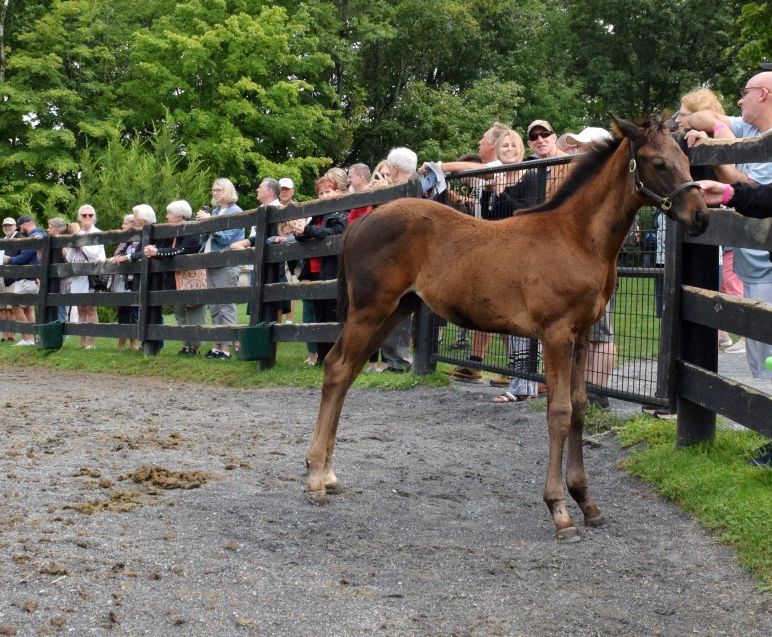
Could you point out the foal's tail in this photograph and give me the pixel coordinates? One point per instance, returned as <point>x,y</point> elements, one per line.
<point>342,290</point>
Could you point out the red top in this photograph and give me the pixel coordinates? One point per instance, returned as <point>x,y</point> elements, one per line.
<point>358,213</point>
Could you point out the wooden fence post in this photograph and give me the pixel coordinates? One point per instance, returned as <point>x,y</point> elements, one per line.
<point>264,273</point>
<point>41,316</point>
<point>150,348</point>
<point>699,344</point>
<point>425,339</point>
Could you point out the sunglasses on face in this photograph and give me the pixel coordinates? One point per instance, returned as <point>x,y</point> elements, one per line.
<point>544,135</point>
<point>83,216</point>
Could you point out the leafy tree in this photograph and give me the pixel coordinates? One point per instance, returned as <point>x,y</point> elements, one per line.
<point>637,57</point>
<point>140,169</point>
<point>755,25</point>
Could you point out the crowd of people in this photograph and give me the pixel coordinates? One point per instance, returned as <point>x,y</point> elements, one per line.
<point>490,195</point>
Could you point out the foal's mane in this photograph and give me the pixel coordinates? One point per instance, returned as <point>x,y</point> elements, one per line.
<point>589,166</point>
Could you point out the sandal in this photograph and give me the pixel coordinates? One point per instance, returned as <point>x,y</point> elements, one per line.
<point>508,397</point>
<point>500,380</point>
<point>466,375</point>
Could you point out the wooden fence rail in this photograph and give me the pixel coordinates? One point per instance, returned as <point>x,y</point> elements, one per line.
<point>699,392</point>
<point>266,294</point>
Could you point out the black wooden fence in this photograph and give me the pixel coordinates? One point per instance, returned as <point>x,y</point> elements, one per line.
<point>266,294</point>
<point>688,353</point>
<point>697,390</point>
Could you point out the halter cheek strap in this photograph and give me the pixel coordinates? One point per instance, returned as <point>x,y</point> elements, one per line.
<point>665,202</point>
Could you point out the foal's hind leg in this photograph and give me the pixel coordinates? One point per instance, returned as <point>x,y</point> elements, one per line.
<point>363,333</point>
<point>576,476</point>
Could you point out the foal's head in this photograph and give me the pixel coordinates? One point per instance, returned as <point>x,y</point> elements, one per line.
<point>663,176</point>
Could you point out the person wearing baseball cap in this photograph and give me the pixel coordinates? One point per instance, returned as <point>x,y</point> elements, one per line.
<point>27,256</point>
<point>542,140</point>
<point>286,191</point>
<point>589,135</point>
<point>6,283</point>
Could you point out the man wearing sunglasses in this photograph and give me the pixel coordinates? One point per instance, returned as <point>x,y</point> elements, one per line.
<point>752,266</point>
<point>542,140</point>
<point>538,184</point>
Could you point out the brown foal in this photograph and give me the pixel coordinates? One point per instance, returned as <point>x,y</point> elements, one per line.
<point>546,273</point>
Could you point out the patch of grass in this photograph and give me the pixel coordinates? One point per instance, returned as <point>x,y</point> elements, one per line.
<point>289,371</point>
<point>713,481</point>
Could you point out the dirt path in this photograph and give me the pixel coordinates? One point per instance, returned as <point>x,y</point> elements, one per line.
<point>440,530</point>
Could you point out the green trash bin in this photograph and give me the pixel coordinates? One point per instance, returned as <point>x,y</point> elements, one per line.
<point>51,335</point>
<point>256,342</point>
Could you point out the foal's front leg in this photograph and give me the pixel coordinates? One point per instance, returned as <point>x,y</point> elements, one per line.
<point>576,476</point>
<point>558,354</point>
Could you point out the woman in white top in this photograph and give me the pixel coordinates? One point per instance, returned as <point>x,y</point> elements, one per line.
<point>80,284</point>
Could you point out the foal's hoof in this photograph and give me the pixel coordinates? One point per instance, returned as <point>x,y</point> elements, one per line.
<point>318,498</point>
<point>596,520</point>
<point>333,489</point>
<point>569,535</point>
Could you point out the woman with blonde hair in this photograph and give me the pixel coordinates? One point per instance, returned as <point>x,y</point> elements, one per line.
<point>339,176</point>
<point>380,176</point>
<point>80,284</point>
<point>703,99</point>
<point>224,198</point>
<point>699,99</point>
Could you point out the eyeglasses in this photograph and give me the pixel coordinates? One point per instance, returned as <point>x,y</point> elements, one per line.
<point>86,214</point>
<point>744,91</point>
<point>544,135</point>
<point>216,189</point>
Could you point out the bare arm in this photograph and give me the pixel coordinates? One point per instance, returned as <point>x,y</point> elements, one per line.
<point>706,121</point>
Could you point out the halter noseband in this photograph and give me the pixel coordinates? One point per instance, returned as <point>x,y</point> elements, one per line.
<point>665,202</point>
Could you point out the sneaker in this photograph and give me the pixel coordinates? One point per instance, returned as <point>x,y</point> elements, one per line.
<point>737,348</point>
<point>184,351</point>
<point>193,351</point>
<point>466,375</point>
<point>221,356</point>
<point>213,353</point>
<point>724,340</point>
<point>765,457</point>
<point>24,343</point>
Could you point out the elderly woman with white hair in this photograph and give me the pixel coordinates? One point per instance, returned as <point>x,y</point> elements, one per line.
<point>179,212</point>
<point>142,214</point>
<point>84,254</point>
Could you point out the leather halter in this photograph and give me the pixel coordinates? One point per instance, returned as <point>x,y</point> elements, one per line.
<point>665,202</point>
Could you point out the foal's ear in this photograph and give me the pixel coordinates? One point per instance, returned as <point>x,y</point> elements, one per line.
<point>623,128</point>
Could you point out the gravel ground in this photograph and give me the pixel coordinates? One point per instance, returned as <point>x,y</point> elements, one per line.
<point>440,529</point>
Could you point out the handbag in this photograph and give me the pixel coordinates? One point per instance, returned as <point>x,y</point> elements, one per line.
<point>97,282</point>
<point>190,279</point>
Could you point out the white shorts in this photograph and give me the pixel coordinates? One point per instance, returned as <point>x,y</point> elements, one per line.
<point>25,286</point>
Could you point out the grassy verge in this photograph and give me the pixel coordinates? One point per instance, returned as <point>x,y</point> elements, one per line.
<point>712,481</point>
<point>290,370</point>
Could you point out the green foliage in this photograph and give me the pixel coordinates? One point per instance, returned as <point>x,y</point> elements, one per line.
<point>755,32</point>
<point>637,57</point>
<point>253,88</point>
<point>150,170</point>
<point>713,481</point>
